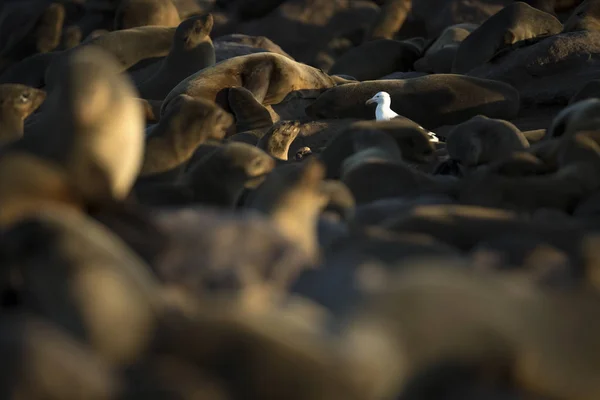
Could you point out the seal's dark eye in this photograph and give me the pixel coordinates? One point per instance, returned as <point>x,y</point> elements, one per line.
<point>24,97</point>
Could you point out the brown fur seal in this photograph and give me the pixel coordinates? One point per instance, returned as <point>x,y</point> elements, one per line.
<point>481,140</point>
<point>135,13</point>
<point>374,178</point>
<point>278,139</point>
<point>219,178</point>
<point>250,115</point>
<point>391,16</point>
<point>580,116</point>
<point>151,110</point>
<point>294,195</point>
<point>41,34</point>
<point>586,17</point>
<point>191,51</point>
<point>269,76</point>
<point>34,349</point>
<point>198,259</point>
<point>575,177</point>
<point>257,42</point>
<point>29,184</point>
<point>71,37</point>
<point>216,179</point>
<point>372,60</point>
<point>130,46</point>
<point>185,126</point>
<point>430,100</point>
<point>439,56</point>
<point>96,121</point>
<point>413,142</point>
<point>17,102</point>
<point>85,265</point>
<point>512,24</point>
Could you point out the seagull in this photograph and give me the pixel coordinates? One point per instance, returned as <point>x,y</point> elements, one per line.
<point>383,112</point>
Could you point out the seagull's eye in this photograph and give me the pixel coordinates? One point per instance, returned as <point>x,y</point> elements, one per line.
<point>24,97</point>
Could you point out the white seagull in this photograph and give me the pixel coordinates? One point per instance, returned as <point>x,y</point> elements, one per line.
<point>383,112</point>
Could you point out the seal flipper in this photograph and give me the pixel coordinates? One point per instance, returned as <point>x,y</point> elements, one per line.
<point>249,113</point>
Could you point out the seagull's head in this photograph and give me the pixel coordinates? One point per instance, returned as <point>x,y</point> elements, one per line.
<point>380,98</point>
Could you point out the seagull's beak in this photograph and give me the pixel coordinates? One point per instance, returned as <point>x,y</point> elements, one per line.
<point>370,101</point>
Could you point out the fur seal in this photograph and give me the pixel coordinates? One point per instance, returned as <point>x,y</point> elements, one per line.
<point>219,178</point>
<point>136,13</point>
<point>130,46</point>
<point>256,42</point>
<point>577,117</point>
<point>71,37</point>
<point>278,139</point>
<point>84,262</point>
<point>216,179</point>
<point>429,100</point>
<point>185,126</point>
<point>97,124</point>
<point>390,18</point>
<point>41,34</point>
<point>586,17</point>
<point>34,349</point>
<point>410,138</point>
<point>439,56</point>
<point>151,110</point>
<point>514,23</point>
<point>482,140</point>
<point>17,102</point>
<point>199,259</point>
<point>372,60</point>
<point>269,76</point>
<point>294,195</point>
<point>29,184</point>
<point>192,50</point>
<point>250,115</point>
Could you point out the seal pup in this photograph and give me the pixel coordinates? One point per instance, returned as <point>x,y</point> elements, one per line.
<point>430,100</point>
<point>17,102</point>
<point>96,121</point>
<point>135,13</point>
<point>482,140</point>
<point>278,139</point>
<point>192,50</point>
<point>383,111</point>
<point>187,124</point>
<point>269,76</point>
<point>514,23</point>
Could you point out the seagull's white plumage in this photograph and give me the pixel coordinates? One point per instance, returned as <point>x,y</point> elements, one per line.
<point>384,112</point>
